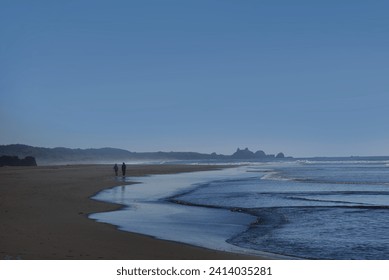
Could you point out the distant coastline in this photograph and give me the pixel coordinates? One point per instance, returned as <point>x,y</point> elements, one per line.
<point>60,155</point>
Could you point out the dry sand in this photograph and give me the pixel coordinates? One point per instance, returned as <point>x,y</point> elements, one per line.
<point>44,215</point>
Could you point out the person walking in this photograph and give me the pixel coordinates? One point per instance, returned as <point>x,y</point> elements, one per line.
<point>116,168</point>
<point>124,169</point>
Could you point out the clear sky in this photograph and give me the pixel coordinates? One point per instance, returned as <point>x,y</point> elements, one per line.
<point>308,78</point>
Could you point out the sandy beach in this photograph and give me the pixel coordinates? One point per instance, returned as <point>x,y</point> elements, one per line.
<point>44,215</point>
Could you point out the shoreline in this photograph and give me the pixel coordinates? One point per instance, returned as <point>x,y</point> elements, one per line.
<point>44,212</point>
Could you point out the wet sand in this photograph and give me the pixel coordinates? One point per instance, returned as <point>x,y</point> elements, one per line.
<point>44,215</point>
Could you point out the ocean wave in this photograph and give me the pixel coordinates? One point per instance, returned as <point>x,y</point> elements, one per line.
<point>312,162</point>
<point>276,176</point>
<point>326,200</point>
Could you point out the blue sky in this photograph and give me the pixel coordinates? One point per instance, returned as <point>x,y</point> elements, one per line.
<point>307,78</point>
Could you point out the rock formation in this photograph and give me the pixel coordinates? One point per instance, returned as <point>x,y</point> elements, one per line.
<point>15,161</point>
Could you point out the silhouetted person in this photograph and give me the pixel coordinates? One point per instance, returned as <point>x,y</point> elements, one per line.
<point>124,169</point>
<point>116,168</point>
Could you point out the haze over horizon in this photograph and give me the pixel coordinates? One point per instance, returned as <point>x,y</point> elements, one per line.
<point>303,78</point>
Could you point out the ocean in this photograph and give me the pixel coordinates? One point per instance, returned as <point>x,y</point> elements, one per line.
<point>304,209</point>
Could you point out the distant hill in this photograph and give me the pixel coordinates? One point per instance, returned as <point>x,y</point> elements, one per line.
<point>62,155</point>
